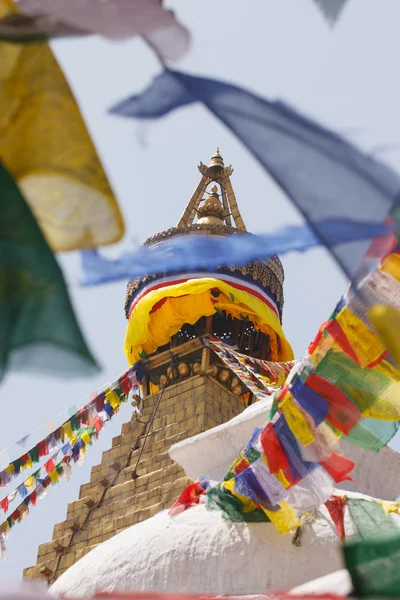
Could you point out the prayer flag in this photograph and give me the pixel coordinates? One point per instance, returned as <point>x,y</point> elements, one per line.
<point>38,328</point>
<point>324,175</point>
<point>114,19</point>
<point>45,146</point>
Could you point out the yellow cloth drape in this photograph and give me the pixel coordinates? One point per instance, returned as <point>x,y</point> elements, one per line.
<point>45,145</point>
<point>189,301</point>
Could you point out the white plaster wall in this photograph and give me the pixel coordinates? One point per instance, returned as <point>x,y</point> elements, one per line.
<point>210,454</point>
<point>200,552</point>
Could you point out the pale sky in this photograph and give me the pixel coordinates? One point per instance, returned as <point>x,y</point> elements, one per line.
<point>282,49</point>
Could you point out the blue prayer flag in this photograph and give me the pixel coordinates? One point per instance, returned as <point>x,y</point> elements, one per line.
<point>324,175</point>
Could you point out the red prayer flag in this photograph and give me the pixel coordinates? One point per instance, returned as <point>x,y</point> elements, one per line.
<point>338,467</point>
<point>43,448</point>
<point>383,244</point>
<point>97,423</point>
<point>343,414</point>
<point>126,385</point>
<point>16,515</point>
<point>4,504</point>
<point>190,495</point>
<point>242,466</point>
<point>49,465</point>
<point>339,336</point>
<point>33,498</point>
<point>335,506</point>
<point>24,459</point>
<point>312,346</point>
<point>275,454</point>
<point>46,482</point>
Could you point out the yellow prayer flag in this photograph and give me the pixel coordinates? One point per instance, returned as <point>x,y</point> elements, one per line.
<point>248,505</point>
<point>30,482</point>
<point>365,343</point>
<point>296,421</point>
<point>391,265</point>
<point>386,368</point>
<point>386,321</point>
<point>54,476</point>
<point>85,437</point>
<point>389,506</point>
<point>153,388</point>
<point>67,428</point>
<point>280,475</point>
<point>113,399</point>
<point>285,519</point>
<point>27,465</point>
<point>45,145</point>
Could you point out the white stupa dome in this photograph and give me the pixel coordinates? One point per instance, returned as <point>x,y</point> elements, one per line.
<point>338,583</point>
<point>199,551</point>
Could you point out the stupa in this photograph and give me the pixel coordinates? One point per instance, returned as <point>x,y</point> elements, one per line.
<point>196,416</point>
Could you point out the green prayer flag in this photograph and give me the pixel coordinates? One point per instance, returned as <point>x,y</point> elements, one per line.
<point>38,328</point>
<point>117,389</point>
<point>232,508</point>
<point>252,455</point>
<point>60,469</point>
<point>373,564</point>
<point>17,465</point>
<point>75,423</point>
<point>369,518</point>
<point>34,454</point>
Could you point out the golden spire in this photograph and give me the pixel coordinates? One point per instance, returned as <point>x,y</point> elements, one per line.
<point>218,173</point>
<point>217,164</point>
<point>211,211</point>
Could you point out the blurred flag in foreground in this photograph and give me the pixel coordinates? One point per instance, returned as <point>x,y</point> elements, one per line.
<point>324,176</point>
<point>46,147</point>
<point>113,19</point>
<point>38,328</point>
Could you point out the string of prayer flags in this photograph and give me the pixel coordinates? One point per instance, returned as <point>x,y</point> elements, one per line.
<point>67,191</point>
<point>99,409</point>
<point>345,387</point>
<point>260,377</point>
<point>51,469</point>
<point>82,434</point>
<point>271,375</point>
<point>343,182</point>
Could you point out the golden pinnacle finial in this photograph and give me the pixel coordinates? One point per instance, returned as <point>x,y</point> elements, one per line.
<point>217,163</point>
<point>214,189</point>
